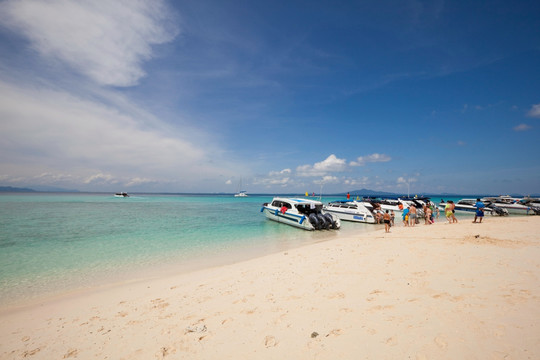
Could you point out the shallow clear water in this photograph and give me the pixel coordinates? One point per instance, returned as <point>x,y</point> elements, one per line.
<point>55,242</point>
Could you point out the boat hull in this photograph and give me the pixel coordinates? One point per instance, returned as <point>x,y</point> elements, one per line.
<point>301,213</point>
<point>345,215</point>
<point>296,220</point>
<point>470,209</point>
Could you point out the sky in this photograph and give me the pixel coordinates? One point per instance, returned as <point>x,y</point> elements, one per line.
<point>419,97</point>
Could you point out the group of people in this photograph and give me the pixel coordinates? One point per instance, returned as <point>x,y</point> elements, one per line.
<point>410,214</point>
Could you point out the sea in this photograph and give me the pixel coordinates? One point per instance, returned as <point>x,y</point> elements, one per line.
<point>56,243</point>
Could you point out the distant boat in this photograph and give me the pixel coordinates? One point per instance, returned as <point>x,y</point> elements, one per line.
<point>121,195</point>
<point>240,193</point>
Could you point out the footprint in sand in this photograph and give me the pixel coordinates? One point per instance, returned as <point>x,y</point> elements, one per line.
<point>441,343</point>
<point>71,353</point>
<point>270,341</point>
<point>31,352</point>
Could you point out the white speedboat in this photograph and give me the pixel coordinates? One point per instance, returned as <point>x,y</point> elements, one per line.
<point>121,195</point>
<point>302,213</point>
<point>468,205</point>
<point>513,205</point>
<point>418,202</point>
<point>383,204</point>
<point>350,210</point>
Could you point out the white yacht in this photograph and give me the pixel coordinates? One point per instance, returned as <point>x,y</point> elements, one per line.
<point>301,213</point>
<point>242,193</point>
<point>239,192</point>
<point>350,210</point>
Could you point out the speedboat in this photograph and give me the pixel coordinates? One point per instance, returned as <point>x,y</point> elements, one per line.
<point>383,204</point>
<point>513,205</point>
<point>121,195</point>
<point>301,213</point>
<point>468,205</point>
<point>350,210</point>
<point>418,202</point>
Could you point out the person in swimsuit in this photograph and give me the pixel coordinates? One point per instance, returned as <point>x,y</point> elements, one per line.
<point>406,217</point>
<point>454,219</point>
<point>386,219</point>
<point>412,215</point>
<point>448,211</point>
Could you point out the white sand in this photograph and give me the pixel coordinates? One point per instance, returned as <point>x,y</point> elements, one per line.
<point>461,291</point>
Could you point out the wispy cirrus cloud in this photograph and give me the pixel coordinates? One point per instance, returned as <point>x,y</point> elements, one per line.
<point>50,132</point>
<point>106,41</point>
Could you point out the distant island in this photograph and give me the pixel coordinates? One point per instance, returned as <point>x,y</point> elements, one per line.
<point>15,189</point>
<point>37,188</point>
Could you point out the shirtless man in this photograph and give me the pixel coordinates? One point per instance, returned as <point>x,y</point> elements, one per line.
<point>412,215</point>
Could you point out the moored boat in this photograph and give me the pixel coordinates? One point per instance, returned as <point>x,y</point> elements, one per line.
<point>121,195</point>
<point>469,206</point>
<point>350,210</point>
<point>301,213</point>
<point>513,205</point>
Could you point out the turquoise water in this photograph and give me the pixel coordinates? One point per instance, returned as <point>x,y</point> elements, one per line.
<point>52,243</point>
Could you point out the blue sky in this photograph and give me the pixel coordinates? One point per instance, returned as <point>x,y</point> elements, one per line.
<point>289,96</point>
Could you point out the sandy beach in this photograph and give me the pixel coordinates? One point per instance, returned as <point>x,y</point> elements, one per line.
<point>443,291</point>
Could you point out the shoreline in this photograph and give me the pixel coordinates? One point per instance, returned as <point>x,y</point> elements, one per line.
<point>169,268</point>
<point>439,291</point>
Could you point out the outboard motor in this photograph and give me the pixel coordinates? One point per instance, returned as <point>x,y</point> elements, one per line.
<point>535,209</point>
<point>498,210</point>
<point>314,220</point>
<point>324,223</point>
<point>330,220</point>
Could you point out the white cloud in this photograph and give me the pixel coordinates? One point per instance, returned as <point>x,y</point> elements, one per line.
<point>522,127</point>
<point>373,158</point>
<point>535,111</point>
<point>328,179</point>
<point>228,182</point>
<point>48,132</point>
<point>403,181</point>
<point>101,179</point>
<point>269,182</point>
<point>330,164</point>
<point>278,173</point>
<point>354,182</point>
<point>107,41</point>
